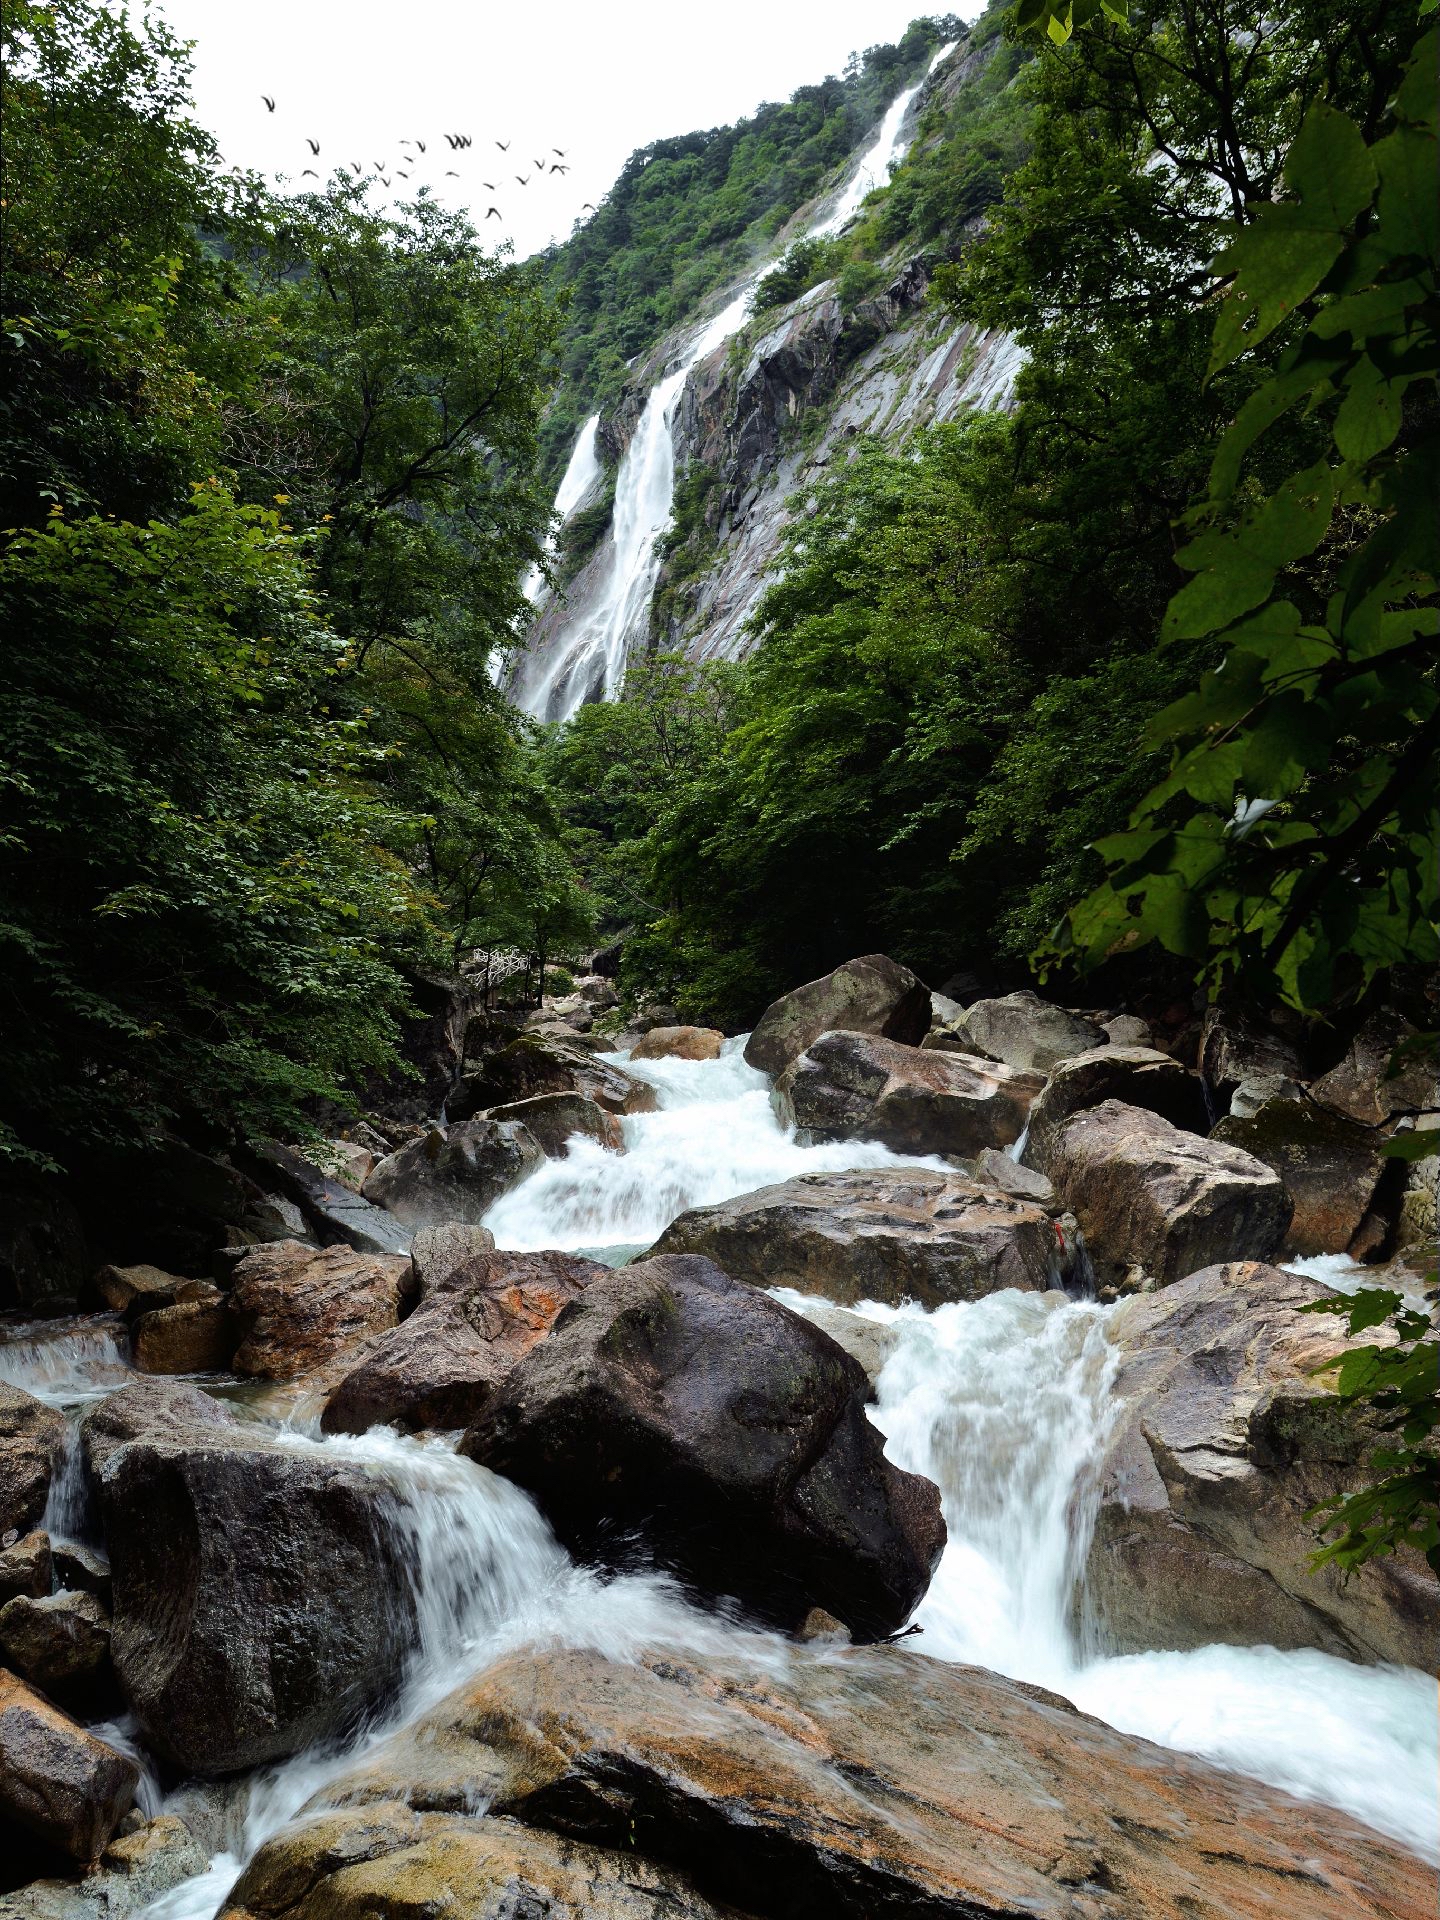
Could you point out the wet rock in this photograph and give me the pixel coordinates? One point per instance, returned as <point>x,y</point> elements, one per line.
<point>869,995</point>
<point>852,1086</point>
<point>59,1642</point>
<point>332,1209</point>
<point>42,1243</point>
<point>555,1118</point>
<point>386,1860</point>
<point>437,1370</point>
<point>1139,1076</point>
<point>887,1234</point>
<point>132,1290</point>
<point>134,1870</point>
<point>539,1063</point>
<point>26,1567</point>
<point>1364,1089</point>
<point>1155,1203</point>
<point>261,1599</point>
<point>302,1307</point>
<point>1001,1170</point>
<point>432,1043</point>
<point>32,1440</point>
<point>1225,1442</point>
<point>1024,1031</point>
<point>438,1252</point>
<point>58,1784</point>
<point>674,1403</point>
<point>457,1175</point>
<point>1235,1047</point>
<point>78,1569</point>
<point>861,1784</point>
<point>679,1043</point>
<point>1330,1166</point>
<point>199,1335</point>
<point>871,1342</point>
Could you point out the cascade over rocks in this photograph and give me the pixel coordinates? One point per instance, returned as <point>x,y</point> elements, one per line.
<point>1225,1441</point>
<point>1024,1031</point>
<point>140,1864</point>
<point>853,1086</point>
<point>858,1785</point>
<point>673,1401</point>
<point>32,1442</point>
<point>438,1370</point>
<point>304,1306</point>
<point>555,1118</point>
<point>59,1784</point>
<point>1330,1166</point>
<point>458,1175</point>
<point>1140,1076</point>
<point>544,1063</point>
<point>679,1043</point>
<point>869,995</point>
<point>889,1234</point>
<point>260,1601</point>
<point>1155,1203</point>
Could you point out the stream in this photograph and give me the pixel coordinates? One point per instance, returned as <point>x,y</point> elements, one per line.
<point>1005,1403</point>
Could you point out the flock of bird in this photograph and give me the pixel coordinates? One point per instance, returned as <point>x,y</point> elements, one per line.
<point>553,162</point>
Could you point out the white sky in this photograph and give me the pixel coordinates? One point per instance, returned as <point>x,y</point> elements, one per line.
<point>596,79</point>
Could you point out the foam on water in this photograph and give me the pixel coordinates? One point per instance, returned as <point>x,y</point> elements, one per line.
<point>65,1362</point>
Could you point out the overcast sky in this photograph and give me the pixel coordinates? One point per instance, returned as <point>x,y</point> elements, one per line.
<point>595,79</point>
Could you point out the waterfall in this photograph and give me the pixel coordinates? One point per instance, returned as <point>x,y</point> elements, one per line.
<point>579,477</point>
<point>588,656</point>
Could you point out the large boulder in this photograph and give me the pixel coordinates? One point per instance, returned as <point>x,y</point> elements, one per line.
<point>1140,1076</point>
<point>856,1786</point>
<point>544,1063</point>
<point>888,1233</point>
<point>59,1785</point>
<point>32,1443</point>
<point>679,1043</point>
<point>261,1601</point>
<point>27,1566</point>
<point>556,1118</point>
<point>195,1335</point>
<point>1155,1203</point>
<point>302,1307</point>
<point>1363,1087</point>
<point>869,995</point>
<point>457,1175</point>
<point>1225,1441</point>
<point>674,1402</point>
<point>331,1208</point>
<point>1237,1050</point>
<point>59,1642</point>
<point>439,1368</point>
<point>1331,1168</point>
<point>853,1086</point>
<point>1024,1031</point>
<point>438,1252</point>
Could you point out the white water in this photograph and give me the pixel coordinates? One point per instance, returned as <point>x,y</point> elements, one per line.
<point>590,656</point>
<point>65,1362</point>
<point>576,481</point>
<point>715,1136</point>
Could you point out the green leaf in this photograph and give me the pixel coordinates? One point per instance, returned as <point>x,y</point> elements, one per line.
<point>1369,416</point>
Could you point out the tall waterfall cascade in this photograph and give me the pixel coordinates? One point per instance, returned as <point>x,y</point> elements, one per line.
<point>584,658</point>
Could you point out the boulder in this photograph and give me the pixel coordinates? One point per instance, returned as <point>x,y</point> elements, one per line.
<point>431,1044</point>
<point>1235,1048</point>
<point>1155,1203</point>
<point>261,1599</point>
<point>32,1443</point>
<point>26,1567</point>
<point>995,1168</point>
<point>679,1043</point>
<point>1363,1088</point>
<point>137,1867</point>
<point>457,1175</point>
<point>80,1569</point>
<point>542,1063</point>
<point>59,1785</point>
<point>198,1335</point>
<point>853,1086</point>
<point>1024,1031</point>
<point>1224,1442</point>
<point>597,992</point>
<point>59,1642</point>
<point>348,1162</point>
<point>1330,1167</point>
<point>132,1290</point>
<point>1139,1076</point>
<point>869,995</point>
<point>301,1306</point>
<point>887,1234</point>
<point>331,1208</point>
<point>673,1403</point>
<point>439,1368</point>
<point>555,1119</point>
<point>1128,1030</point>
<point>42,1243</point>
<point>849,1785</point>
<point>438,1252</point>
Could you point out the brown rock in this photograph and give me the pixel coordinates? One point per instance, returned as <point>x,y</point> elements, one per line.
<point>1364,1089</point>
<point>193,1336</point>
<point>1330,1166</point>
<point>860,1785</point>
<point>555,1118</point>
<point>679,1043</point>
<point>132,1290</point>
<point>457,1175</point>
<point>1226,1440</point>
<point>438,1252</point>
<point>26,1567</point>
<point>1025,1031</point>
<point>438,1369</point>
<point>542,1063</point>
<point>32,1442</point>
<point>58,1783</point>
<point>677,1406</point>
<point>1235,1048</point>
<point>1155,1203</point>
<point>147,1858</point>
<point>59,1642</point>
<point>851,1086</point>
<point>888,1234</point>
<point>302,1307</point>
<point>869,995</point>
<point>1139,1076</point>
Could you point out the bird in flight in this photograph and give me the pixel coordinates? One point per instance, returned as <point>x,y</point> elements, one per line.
<point>421,145</point>
<point>450,174</point>
<point>523,178</point>
<point>559,150</point>
<point>384,181</point>
<point>490,186</point>
<point>539,166</point>
<point>399,175</point>
<point>559,169</point>
<point>589,207</point>
<point>309,174</point>
<point>269,101</point>
<point>503,145</point>
<point>494,214</point>
<point>313,145</point>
